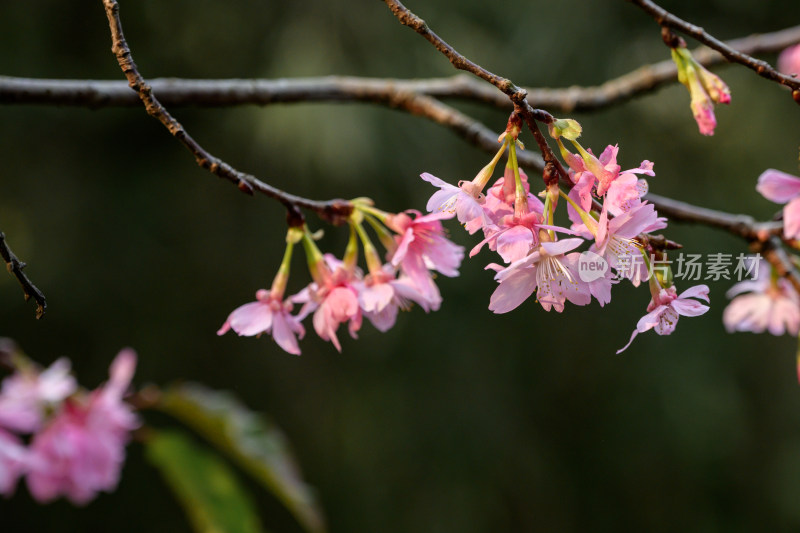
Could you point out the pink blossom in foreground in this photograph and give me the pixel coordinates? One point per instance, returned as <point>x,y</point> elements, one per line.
<point>771,305</point>
<point>545,271</point>
<point>81,451</point>
<point>789,60</point>
<point>13,462</point>
<point>27,394</point>
<point>422,247</point>
<point>666,307</point>
<point>270,315</point>
<point>781,188</point>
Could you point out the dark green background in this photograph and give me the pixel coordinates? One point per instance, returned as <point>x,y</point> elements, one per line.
<point>457,421</point>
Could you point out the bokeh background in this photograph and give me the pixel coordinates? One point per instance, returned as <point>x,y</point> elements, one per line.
<point>456,421</point>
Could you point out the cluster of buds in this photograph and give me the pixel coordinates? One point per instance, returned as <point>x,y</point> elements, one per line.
<point>607,212</point>
<point>705,87</point>
<point>339,292</point>
<point>76,438</point>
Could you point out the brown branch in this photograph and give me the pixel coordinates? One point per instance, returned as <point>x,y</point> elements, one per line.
<point>15,266</point>
<point>764,237</point>
<point>458,60</point>
<point>667,20</point>
<point>176,92</point>
<point>334,211</point>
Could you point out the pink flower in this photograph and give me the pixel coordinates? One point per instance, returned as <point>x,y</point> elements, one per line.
<point>269,315</point>
<point>780,188</point>
<point>514,237</point>
<point>422,247</point>
<point>614,238</point>
<point>13,462</point>
<point>466,200</point>
<point>626,192</point>
<point>81,451</point>
<point>789,60</point>
<point>28,393</point>
<point>334,302</point>
<point>666,307</point>
<point>381,296</point>
<point>546,271</point>
<point>772,305</point>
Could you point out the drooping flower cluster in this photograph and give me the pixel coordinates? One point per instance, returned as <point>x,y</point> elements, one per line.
<point>76,439</point>
<point>705,89</point>
<point>340,292</point>
<point>607,211</point>
<point>766,302</point>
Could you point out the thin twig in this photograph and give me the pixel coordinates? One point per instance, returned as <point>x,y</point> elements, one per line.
<point>15,266</point>
<point>334,211</point>
<point>666,19</point>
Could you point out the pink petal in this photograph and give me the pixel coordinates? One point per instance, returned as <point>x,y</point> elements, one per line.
<point>515,243</point>
<point>698,291</point>
<point>791,219</point>
<point>668,321</point>
<point>689,307</point>
<point>778,186</point>
<point>283,334</point>
<point>251,319</point>
<point>562,246</point>
<point>513,290</point>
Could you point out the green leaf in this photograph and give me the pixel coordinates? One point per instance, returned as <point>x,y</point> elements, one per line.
<point>203,483</point>
<point>251,441</point>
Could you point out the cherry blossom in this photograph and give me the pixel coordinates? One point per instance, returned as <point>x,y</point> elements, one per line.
<point>268,314</point>
<point>666,306</point>
<point>422,247</point>
<point>546,271</point>
<point>771,304</point>
<point>82,449</point>
<point>26,394</point>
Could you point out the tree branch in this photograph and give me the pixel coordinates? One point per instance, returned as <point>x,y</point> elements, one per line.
<point>334,211</point>
<point>666,19</point>
<point>15,266</point>
<point>176,92</point>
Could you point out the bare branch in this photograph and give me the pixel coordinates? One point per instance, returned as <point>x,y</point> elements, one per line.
<point>177,92</point>
<point>15,266</point>
<point>666,19</point>
<point>334,211</point>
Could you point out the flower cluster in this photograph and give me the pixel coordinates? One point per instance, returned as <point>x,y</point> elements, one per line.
<point>341,293</point>
<point>765,303</point>
<point>76,439</point>
<point>607,211</point>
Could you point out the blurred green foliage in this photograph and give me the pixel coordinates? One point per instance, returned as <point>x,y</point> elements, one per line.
<point>457,421</point>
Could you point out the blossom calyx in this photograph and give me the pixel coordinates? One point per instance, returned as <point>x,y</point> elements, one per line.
<point>565,127</point>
